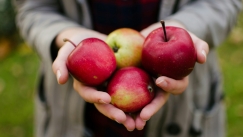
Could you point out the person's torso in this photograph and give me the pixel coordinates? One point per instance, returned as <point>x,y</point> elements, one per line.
<point>110,15</point>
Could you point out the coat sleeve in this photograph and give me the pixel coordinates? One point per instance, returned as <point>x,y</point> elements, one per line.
<point>39,21</point>
<point>210,20</point>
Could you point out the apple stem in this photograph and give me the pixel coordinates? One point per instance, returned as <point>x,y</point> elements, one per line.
<point>68,40</point>
<point>115,48</point>
<point>163,25</point>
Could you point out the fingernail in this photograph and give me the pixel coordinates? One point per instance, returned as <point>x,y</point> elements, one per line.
<point>145,120</point>
<point>102,101</point>
<point>204,54</point>
<point>130,130</point>
<point>58,75</point>
<point>161,82</point>
<point>117,121</point>
<point>140,128</point>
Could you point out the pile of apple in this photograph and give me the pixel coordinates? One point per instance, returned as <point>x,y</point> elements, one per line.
<point>127,63</point>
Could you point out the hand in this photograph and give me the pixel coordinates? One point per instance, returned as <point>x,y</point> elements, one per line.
<point>100,99</point>
<point>202,49</point>
<point>76,35</point>
<point>89,94</point>
<point>169,85</point>
<point>136,120</point>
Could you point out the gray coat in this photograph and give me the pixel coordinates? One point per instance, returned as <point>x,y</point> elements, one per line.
<point>59,109</point>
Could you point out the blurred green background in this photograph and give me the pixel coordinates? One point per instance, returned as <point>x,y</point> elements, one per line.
<point>19,68</point>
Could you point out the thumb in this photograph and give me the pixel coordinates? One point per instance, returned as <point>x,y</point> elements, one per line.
<point>59,65</point>
<point>201,47</point>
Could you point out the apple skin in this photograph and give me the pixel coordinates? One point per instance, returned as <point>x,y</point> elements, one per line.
<point>175,58</point>
<point>91,62</point>
<point>131,88</point>
<point>127,45</point>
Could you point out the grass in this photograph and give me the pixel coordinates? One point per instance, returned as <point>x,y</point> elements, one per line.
<point>18,76</point>
<point>18,79</point>
<point>231,61</point>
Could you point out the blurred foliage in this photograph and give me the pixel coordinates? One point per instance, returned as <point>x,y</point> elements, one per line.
<point>231,61</point>
<point>7,16</point>
<point>18,77</point>
<point>9,36</point>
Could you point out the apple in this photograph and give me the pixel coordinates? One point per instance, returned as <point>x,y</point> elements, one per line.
<point>131,88</point>
<point>169,51</point>
<point>127,45</point>
<point>91,62</point>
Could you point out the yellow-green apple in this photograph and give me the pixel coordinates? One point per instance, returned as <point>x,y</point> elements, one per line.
<point>130,88</point>
<point>91,62</point>
<point>127,45</point>
<point>169,51</point>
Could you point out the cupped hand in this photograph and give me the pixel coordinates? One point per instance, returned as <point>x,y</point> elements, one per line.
<point>178,86</point>
<point>168,85</point>
<point>102,99</point>
<point>76,35</point>
<point>89,94</point>
<point>134,120</point>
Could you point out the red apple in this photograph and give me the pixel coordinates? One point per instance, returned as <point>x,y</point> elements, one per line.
<point>131,89</point>
<point>127,45</point>
<point>169,52</point>
<point>91,62</point>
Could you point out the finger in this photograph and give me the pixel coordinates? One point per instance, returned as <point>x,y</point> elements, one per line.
<point>202,48</point>
<point>59,65</point>
<point>171,85</point>
<point>149,110</point>
<point>129,123</point>
<point>139,123</point>
<point>117,115</point>
<point>90,94</point>
<point>111,112</point>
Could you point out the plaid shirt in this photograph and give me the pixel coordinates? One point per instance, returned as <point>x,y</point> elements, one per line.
<point>108,15</point>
